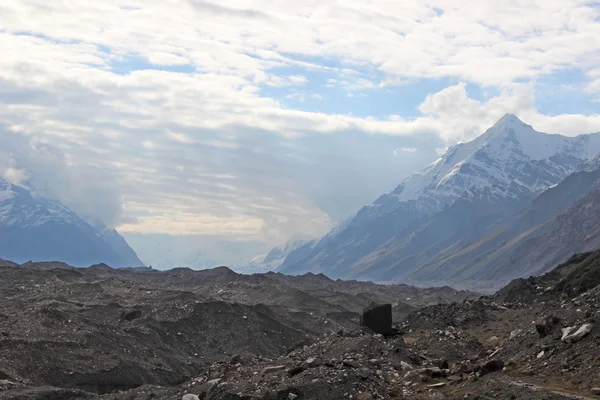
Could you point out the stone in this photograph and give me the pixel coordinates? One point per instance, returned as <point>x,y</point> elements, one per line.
<point>378,318</point>
<point>213,382</point>
<point>493,341</point>
<point>596,391</point>
<point>404,366</point>
<point>515,334</point>
<point>583,331</point>
<point>296,370</point>
<point>130,315</point>
<point>292,396</point>
<point>271,370</point>
<point>442,364</point>
<point>541,354</point>
<point>566,332</point>
<point>491,366</point>
<point>364,396</point>
<point>235,359</point>
<point>190,396</point>
<point>437,385</point>
<point>545,326</point>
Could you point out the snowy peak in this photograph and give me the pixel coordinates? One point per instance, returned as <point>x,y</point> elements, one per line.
<point>510,121</point>
<point>42,229</point>
<point>499,157</point>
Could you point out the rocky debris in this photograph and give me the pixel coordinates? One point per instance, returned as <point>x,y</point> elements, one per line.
<point>116,339</point>
<point>378,318</point>
<point>545,326</point>
<point>364,396</point>
<point>457,315</point>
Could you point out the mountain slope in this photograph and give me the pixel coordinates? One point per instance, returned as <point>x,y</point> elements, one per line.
<point>41,229</point>
<point>432,210</point>
<point>498,254</point>
<point>117,243</point>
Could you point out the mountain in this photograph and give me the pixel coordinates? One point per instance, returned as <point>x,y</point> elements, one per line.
<point>164,251</point>
<point>517,244</point>
<point>41,229</point>
<point>451,204</point>
<point>117,243</point>
<point>275,256</point>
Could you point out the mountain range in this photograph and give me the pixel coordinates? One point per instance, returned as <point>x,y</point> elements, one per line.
<point>512,202</point>
<point>41,229</point>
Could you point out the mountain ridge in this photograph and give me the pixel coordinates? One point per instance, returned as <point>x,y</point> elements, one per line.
<point>499,172</point>
<point>42,229</point>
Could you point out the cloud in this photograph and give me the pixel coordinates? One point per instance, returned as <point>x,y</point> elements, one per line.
<point>162,118</point>
<point>397,152</point>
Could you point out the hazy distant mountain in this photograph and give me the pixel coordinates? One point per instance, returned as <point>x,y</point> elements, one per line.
<point>164,251</point>
<point>273,260</point>
<point>41,229</point>
<point>440,211</point>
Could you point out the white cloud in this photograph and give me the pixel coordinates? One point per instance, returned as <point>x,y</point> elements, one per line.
<point>164,142</point>
<point>397,152</point>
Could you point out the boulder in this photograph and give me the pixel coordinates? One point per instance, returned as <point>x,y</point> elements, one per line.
<point>378,318</point>
<point>583,331</point>
<point>545,326</point>
<point>566,332</point>
<point>190,397</point>
<point>492,366</point>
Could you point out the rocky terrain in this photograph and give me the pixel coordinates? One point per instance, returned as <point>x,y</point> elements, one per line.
<point>136,334</point>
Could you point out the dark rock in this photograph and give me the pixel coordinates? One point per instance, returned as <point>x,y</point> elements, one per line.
<point>236,359</point>
<point>545,326</point>
<point>442,364</point>
<point>378,318</point>
<point>131,315</point>
<point>492,366</point>
<point>296,370</point>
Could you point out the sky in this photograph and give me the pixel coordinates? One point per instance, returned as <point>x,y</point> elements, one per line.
<point>265,120</point>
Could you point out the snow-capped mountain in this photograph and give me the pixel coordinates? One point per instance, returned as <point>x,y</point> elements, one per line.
<point>511,152</point>
<point>41,229</point>
<point>507,165</point>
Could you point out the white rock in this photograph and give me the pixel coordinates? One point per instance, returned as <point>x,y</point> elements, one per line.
<point>580,334</point>
<point>514,334</point>
<point>541,354</point>
<point>405,366</point>
<point>566,332</point>
<point>190,396</point>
